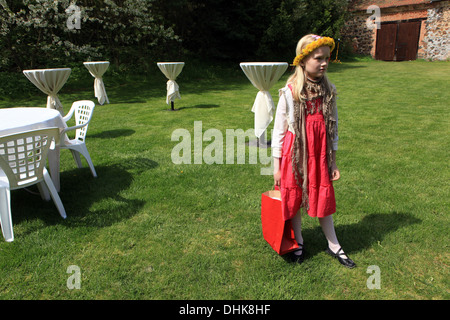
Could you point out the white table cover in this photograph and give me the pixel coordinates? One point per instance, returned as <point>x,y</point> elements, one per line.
<point>49,81</point>
<point>263,76</point>
<point>15,120</point>
<point>171,70</point>
<point>97,69</point>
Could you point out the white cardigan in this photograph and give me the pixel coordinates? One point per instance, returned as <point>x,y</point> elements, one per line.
<point>284,120</point>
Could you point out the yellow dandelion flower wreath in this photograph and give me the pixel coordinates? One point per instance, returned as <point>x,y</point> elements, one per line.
<point>320,42</point>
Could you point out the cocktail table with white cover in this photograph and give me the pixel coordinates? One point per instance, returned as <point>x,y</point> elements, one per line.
<point>49,81</point>
<point>15,120</point>
<point>97,69</point>
<point>171,70</point>
<point>263,76</point>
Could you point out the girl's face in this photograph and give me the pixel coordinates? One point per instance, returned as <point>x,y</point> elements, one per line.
<point>316,63</point>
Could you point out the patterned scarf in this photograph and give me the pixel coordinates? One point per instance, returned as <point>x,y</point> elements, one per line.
<point>311,91</point>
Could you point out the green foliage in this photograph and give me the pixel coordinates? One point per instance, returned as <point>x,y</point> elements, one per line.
<point>296,18</point>
<point>223,29</point>
<point>36,33</point>
<point>14,85</point>
<point>286,28</point>
<point>135,33</point>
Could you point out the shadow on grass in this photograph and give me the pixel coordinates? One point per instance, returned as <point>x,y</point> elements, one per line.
<point>110,134</point>
<point>358,236</point>
<point>201,106</point>
<point>89,202</point>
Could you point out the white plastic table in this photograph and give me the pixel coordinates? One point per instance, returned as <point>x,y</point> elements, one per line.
<point>171,70</point>
<point>263,76</point>
<point>49,81</point>
<point>15,120</point>
<point>97,69</point>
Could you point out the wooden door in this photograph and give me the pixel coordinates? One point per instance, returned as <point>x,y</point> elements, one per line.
<point>407,40</point>
<point>386,42</point>
<point>398,41</point>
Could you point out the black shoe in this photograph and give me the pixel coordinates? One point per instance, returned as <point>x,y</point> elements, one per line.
<point>299,258</point>
<point>345,262</point>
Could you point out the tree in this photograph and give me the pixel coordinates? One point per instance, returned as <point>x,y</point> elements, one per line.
<point>36,33</point>
<point>296,18</point>
<point>242,30</point>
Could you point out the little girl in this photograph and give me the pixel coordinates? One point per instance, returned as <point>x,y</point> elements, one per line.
<point>304,144</point>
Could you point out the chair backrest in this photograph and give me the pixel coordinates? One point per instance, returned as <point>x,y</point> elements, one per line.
<point>83,114</point>
<point>23,155</point>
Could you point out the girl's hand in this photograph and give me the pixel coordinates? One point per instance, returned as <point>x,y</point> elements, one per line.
<point>335,173</point>
<point>277,178</point>
<point>277,172</point>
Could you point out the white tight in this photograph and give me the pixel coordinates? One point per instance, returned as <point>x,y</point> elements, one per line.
<point>297,226</point>
<point>327,225</point>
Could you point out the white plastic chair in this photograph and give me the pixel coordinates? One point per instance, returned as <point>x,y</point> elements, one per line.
<point>22,163</point>
<point>83,111</point>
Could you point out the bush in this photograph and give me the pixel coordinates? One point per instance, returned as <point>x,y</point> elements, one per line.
<point>36,33</point>
<point>296,18</point>
<point>136,33</point>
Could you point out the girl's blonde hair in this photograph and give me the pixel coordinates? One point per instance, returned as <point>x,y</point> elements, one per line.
<point>298,79</point>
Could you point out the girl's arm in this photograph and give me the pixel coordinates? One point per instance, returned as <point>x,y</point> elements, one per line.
<point>276,172</point>
<point>279,132</point>
<point>335,173</point>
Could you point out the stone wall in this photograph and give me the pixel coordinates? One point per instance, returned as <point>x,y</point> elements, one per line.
<point>434,41</point>
<point>436,44</point>
<point>358,35</point>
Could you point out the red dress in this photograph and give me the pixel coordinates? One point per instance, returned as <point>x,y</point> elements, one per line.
<point>320,188</point>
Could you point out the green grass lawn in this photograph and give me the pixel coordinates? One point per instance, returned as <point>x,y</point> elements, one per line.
<point>147,228</point>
